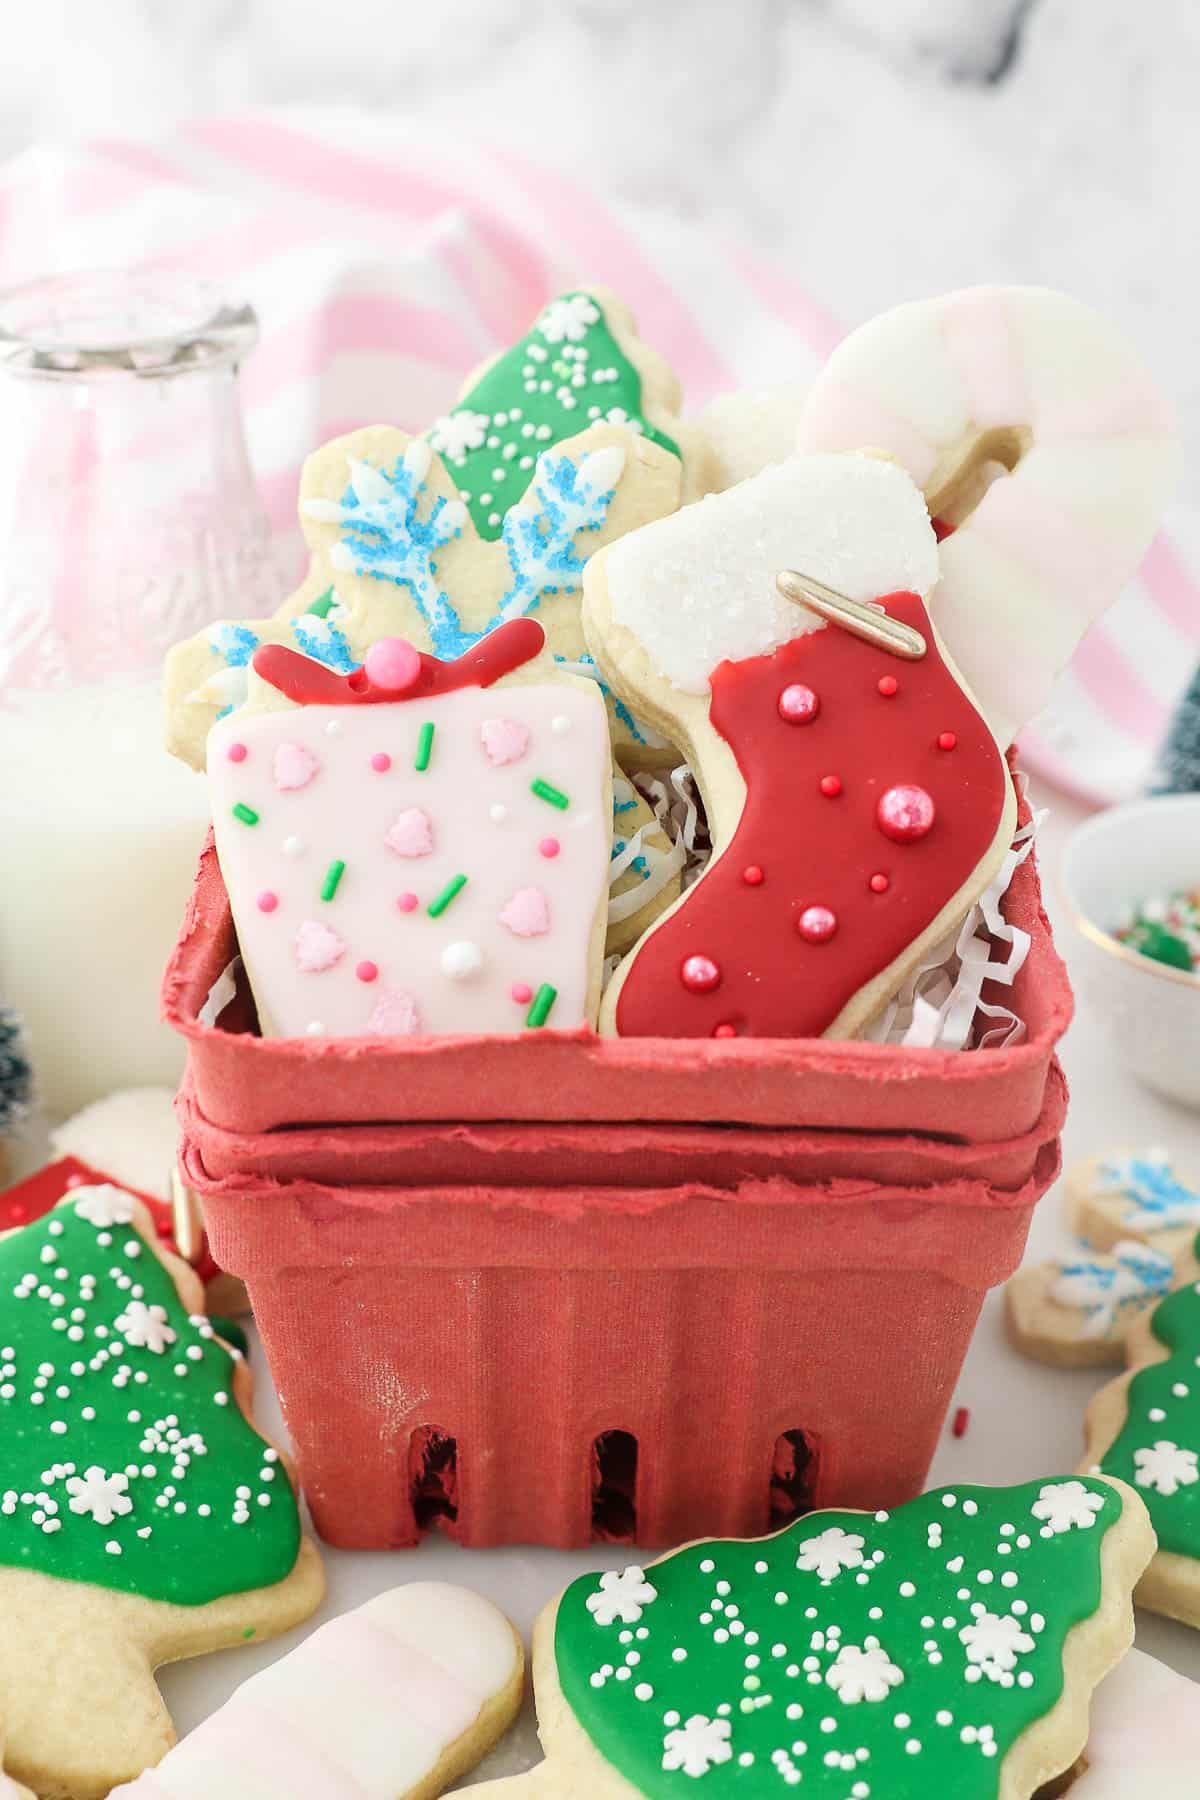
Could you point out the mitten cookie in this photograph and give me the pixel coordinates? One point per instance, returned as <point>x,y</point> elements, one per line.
<point>143,1518</point>
<point>1144,1737</point>
<point>857,801</point>
<point>391,1702</point>
<point>1076,1314</point>
<point>948,1647</point>
<point>1030,388</point>
<point>1145,1429</point>
<point>1135,1194</point>
<point>421,847</point>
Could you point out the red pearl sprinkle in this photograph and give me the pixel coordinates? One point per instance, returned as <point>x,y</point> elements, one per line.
<point>381,762</point>
<point>752,875</point>
<point>521,992</point>
<point>905,813</point>
<point>725,1031</point>
<point>237,753</point>
<point>267,901</point>
<point>946,740</point>
<point>817,924</point>
<point>164,1227</point>
<point>798,705</point>
<point>549,846</point>
<point>879,884</point>
<point>367,971</point>
<point>888,685</point>
<point>699,974</point>
<point>831,786</point>
<point>407,902</point>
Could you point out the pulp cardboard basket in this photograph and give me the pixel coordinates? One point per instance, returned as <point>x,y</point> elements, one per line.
<point>557,1288</point>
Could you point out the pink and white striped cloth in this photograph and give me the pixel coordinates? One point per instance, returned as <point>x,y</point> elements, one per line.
<point>385,265</point>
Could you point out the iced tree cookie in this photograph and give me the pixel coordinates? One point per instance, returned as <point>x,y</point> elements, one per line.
<point>558,446</point>
<point>421,847</point>
<point>1047,456</point>
<point>1144,1737</point>
<point>948,1647</point>
<point>1077,1313</point>
<point>143,1518</point>
<point>857,801</point>
<point>1144,1428</point>
<point>393,1701</point>
<point>1136,1194</point>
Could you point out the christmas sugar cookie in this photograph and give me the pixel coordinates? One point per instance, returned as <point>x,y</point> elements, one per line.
<point>1145,1429</point>
<point>1047,456</point>
<point>948,1647</point>
<point>1137,1194</point>
<point>421,847</point>
<point>1144,1737</point>
<point>1078,1312</point>
<point>143,1518</point>
<point>858,802</point>
<point>394,1701</point>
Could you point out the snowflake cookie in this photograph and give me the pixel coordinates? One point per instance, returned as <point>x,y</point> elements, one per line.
<point>853,1656</point>
<point>142,1515</point>
<point>1077,1312</point>
<point>1134,1195</point>
<point>1144,1428</point>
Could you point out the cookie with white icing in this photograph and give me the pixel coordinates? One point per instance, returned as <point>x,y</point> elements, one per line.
<point>394,1701</point>
<point>1144,1737</point>
<point>947,1647</point>
<point>1144,1428</point>
<point>420,848</point>
<point>1133,1194</point>
<point>143,1517</point>
<point>858,802</point>
<point>558,446</point>
<point>1076,1313</point>
<point>752,428</point>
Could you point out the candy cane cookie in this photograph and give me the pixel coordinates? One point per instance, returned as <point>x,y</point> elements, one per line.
<point>949,1646</point>
<point>394,1701</point>
<point>858,802</point>
<point>1034,388</point>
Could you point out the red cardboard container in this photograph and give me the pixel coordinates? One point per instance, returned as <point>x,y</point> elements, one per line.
<point>556,1364</point>
<point>244,1084</point>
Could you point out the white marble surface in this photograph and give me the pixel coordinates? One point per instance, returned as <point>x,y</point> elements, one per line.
<point>878,148</point>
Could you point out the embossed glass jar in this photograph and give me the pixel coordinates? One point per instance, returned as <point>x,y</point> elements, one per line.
<point>128,519</point>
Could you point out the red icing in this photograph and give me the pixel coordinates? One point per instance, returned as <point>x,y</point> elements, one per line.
<point>310,683</point>
<point>775,982</point>
<point>942,529</point>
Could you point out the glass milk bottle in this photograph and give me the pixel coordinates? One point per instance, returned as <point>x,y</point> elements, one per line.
<point>128,519</point>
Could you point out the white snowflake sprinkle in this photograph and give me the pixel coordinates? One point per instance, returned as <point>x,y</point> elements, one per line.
<point>1166,1467</point>
<point>104,1205</point>
<point>456,433</point>
<point>145,1327</point>
<point>1063,1504</point>
<point>568,319</point>
<point>830,1553</point>
<point>863,1674</point>
<point>102,1496</point>
<point>994,1642</point>
<point>621,1597</point>
<point>698,1745</point>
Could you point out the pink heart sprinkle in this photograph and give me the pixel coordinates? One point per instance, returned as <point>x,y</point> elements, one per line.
<point>395,1015</point>
<point>294,767</point>
<point>527,914</point>
<point>411,834</point>
<point>317,947</point>
<point>504,740</point>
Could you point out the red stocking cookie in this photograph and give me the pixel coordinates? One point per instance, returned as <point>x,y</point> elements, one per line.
<point>857,800</point>
<point>419,847</point>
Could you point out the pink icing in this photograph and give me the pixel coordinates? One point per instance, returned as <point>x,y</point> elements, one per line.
<point>317,947</point>
<point>411,834</point>
<point>504,740</point>
<point>527,914</point>
<point>978,330</point>
<point>394,1015</point>
<point>294,767</point>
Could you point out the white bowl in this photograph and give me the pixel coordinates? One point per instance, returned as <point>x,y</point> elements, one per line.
<point>1111,865</point>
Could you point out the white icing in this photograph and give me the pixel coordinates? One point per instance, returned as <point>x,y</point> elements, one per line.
<point>699,587</point>
<point>1145,1735</point>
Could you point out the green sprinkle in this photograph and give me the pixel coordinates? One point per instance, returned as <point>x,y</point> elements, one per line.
<point>543,1000</point>
<point>323,604</point>
<point>425,748</point>
<point>248,1633</point>
<point>246,814</point>
<point>454,886</point>
<point>554,795</point>
<point>333,875</point>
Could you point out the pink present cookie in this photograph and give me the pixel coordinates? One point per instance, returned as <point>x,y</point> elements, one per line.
<point>419,847</point>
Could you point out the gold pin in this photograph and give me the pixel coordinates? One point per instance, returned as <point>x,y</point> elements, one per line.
<point>864,621</point>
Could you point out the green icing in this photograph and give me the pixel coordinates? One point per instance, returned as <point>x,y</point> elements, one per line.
<point>125,1459</point>
<point>1158,1448</point>
<point>568,373</point>
<point>859,1656</point>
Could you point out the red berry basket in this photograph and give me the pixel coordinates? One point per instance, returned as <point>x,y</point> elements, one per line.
<point>558,1288</point>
